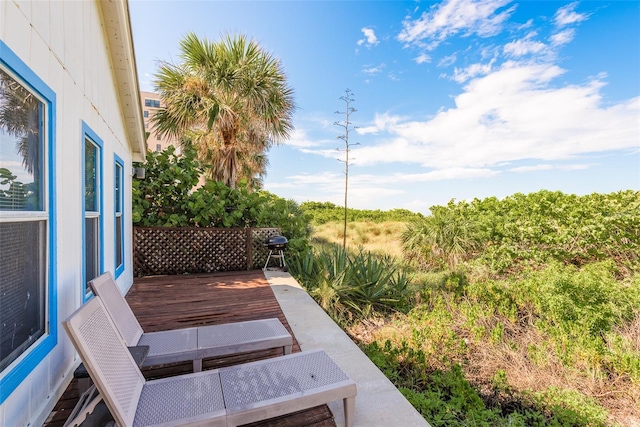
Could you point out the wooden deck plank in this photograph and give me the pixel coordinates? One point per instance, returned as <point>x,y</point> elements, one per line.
<point>170,302</point>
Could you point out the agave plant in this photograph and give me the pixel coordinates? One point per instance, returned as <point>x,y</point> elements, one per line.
<point>351,285</point>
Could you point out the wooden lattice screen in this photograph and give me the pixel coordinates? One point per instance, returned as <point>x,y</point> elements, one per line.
<point>160,250</point>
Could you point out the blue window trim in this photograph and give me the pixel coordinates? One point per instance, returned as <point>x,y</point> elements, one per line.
<point>34,355</point>
<point>119,163</point>
<point>87,132</point>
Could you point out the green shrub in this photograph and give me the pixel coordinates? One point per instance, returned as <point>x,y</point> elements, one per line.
<point>323,212</point>
<point>578,309</point>
<point>445,398</point>
<point>166,198</point>
<point>351,284</point>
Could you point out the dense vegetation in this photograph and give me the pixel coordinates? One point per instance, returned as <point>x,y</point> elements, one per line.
<point>323,212</point>
<point>168,197</point>
<point>523,311</point>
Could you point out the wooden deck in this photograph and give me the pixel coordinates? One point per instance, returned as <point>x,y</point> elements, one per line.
<point>170,302</point>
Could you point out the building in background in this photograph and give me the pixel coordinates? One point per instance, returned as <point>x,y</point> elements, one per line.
<point>150,105</point>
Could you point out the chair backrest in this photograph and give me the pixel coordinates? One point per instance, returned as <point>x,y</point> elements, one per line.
<point>107,289</point>
<point>107,359</point>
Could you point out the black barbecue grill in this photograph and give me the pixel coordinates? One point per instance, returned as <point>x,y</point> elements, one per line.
<point>276,246</point>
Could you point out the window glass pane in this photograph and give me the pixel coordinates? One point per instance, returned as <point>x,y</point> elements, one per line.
<point>22,287</point>
<point>119,248</point>
<point>90,176</point>
<point>21,124</point>
<point>118,222</point>
<point>91,248</point>
<point>118,189</point>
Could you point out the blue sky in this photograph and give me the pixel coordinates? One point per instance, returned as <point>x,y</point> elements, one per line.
<point>457,99</point>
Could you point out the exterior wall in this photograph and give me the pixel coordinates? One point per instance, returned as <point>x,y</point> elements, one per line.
<point>64,44</point>
<point>154,141</point>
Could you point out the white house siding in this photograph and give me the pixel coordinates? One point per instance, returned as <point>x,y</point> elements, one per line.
<point>65,45</point>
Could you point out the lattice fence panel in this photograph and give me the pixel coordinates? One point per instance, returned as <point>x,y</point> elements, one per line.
<point>259,238</point>
<point>160,250</point>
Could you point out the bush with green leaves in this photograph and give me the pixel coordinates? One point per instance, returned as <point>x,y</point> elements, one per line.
<point>579,309</point>
<point>520,231</point>
<point>168,197</point>
<point>323,212</point>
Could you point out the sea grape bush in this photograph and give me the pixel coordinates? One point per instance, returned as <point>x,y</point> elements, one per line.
<point>323,212</point>
<point>167,197</point>
<point>531,230</point>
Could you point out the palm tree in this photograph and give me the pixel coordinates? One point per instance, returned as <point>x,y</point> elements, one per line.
<point>230,100</point>
<point>20,117</point>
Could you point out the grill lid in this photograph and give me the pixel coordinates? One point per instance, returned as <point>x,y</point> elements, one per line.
<point>277,242</point>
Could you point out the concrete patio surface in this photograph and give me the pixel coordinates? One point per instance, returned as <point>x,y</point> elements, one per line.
<point>378,403</point>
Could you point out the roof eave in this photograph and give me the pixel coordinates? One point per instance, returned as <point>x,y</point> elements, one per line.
<point>117,28</point>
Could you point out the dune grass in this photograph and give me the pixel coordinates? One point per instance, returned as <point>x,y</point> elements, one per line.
<point>377,237</point>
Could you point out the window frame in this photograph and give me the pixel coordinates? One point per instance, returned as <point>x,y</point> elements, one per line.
<point>118,201</point>
<point>89,134</point>
<point>18,370</point>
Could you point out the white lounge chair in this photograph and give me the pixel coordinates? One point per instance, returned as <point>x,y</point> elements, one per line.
<point>195,343</point>
<point>178,345</point>
<point>221,397</point>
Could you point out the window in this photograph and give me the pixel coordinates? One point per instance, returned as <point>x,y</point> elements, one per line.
<point>158,147</point>
<point>154,103</point>
<point>158,138</point>
<point>28,309</point>
<point>146,113</point>
<point>92,230</point>
<point>119,221</point>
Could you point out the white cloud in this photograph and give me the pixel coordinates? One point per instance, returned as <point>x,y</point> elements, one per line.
<point>299,139</point>
<point>370,38</point>
<point>526,25</point>
<point>452,17</point>
<point>394,77</point>
<point>381,122</point>
<point>373,70</point>
<point>447,60</point>
<point>513,114</point>
<point>461,75</point>
<point>447,174</point>
<point>422,58</point>
<point>548,167</point>
<point>562,37</point>
<point>524,47</point>
<point>567,15</point>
